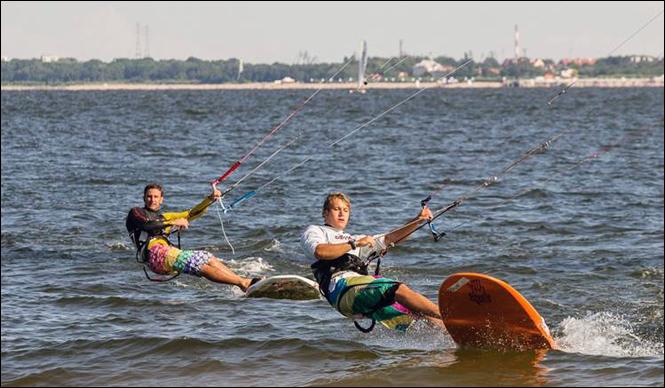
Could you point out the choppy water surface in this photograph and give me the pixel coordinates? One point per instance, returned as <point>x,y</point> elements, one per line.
<point>583,243</point>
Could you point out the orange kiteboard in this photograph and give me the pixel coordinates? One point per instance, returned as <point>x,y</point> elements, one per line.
<point>483,312</point>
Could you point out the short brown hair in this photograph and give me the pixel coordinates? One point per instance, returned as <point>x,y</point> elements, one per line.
<point>327,204</point>
<point>153,186</point>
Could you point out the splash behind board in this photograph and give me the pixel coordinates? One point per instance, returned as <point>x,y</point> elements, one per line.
<point>483,312</point>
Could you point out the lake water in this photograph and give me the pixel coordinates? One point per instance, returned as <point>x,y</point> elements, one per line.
<point>583,242</point>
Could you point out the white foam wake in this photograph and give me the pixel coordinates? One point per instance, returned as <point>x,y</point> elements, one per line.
<point>275,246</point>
<point>605,334</point>
<point>253,266</point>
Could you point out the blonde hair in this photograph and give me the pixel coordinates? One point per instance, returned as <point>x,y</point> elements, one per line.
<point>327,204</point>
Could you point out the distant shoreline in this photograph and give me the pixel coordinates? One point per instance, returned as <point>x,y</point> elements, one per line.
<point>351,86</point>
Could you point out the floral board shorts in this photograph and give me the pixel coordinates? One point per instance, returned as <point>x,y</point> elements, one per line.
<point>165,260</point>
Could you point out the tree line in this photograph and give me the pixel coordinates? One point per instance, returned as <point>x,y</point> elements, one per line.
<point>194,70</point>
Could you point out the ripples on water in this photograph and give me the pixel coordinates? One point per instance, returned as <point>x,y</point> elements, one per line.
<point>583,243</point>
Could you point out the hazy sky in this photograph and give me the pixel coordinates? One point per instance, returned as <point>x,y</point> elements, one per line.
<point>269,32</point>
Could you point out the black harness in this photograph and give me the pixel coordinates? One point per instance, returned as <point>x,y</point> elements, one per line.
<point>325,269</point>
<point>142,254</point>
<point>142,238</point>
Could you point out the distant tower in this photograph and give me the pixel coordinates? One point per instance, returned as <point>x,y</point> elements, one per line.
<point>401,48</point>
<point>517,44</point>
<point>138,41</point>
<point>146,44</point>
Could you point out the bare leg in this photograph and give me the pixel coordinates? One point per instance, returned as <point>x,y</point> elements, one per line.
<point>216,271</point>
<point>418,304</point>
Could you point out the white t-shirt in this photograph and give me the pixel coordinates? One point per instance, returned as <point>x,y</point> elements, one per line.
<point>324,234</point>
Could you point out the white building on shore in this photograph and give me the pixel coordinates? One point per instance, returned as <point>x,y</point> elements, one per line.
<point>49,58</point>
<point>428,66</point>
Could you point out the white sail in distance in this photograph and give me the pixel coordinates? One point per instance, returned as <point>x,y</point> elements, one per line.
<point>362,64</point>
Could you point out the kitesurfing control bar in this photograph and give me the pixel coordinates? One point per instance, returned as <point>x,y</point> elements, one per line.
<point>436,235</point>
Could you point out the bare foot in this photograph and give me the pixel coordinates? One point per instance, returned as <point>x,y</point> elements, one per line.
<point>247,282</point>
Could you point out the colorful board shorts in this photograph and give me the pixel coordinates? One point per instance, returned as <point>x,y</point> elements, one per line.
<point>166,260</point>
<point>359,296</point>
